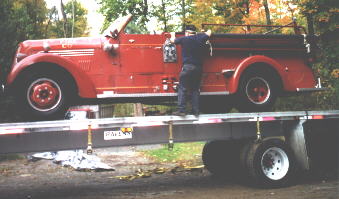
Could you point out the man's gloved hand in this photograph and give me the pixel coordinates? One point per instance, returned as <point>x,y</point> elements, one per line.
<point>208,32</point>
<point>172,37</point>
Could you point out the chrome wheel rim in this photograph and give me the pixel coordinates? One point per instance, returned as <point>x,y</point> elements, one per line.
<point>275,163</point>
<point>258,90</point>
<point>44,94</point>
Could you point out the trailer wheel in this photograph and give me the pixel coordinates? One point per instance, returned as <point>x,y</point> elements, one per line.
<point>44,95</point>
<point>221,158</point>
<point>269,163</point>
<point>258,91</point>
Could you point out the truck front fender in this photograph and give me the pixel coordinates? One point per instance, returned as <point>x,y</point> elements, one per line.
<point>250,61</point>
<point>85,86</point>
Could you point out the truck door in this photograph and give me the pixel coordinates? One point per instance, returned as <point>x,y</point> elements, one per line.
<point>141,63</point>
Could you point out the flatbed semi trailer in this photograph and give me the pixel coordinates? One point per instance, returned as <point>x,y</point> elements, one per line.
<point>270,146</point>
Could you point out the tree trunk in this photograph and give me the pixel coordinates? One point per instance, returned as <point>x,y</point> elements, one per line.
<point>164,15</point>
<point>310,26</point>
<point>267,13</point>
<point>65,18</point>
<point>183,15</point>
<point>145,10</point>
<point>138,109</point>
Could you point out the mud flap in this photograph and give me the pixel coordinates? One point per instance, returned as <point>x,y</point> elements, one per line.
<point>296,140</point>
<point>322,142</point>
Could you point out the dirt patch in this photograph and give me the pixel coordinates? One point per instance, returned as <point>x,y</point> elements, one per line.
<point>44,179</point>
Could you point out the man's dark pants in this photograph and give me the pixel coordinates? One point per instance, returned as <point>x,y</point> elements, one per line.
<point>189,82</point>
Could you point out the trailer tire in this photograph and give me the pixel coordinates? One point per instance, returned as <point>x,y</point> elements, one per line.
<point>269,163</point>
<point>44,95</point>
<point>220,157</point>
<point>258,90</point>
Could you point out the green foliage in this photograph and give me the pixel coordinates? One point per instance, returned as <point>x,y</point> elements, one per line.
<point>133,28</point>
<point>325,14</point>
<point>164,13</point>
<point>56,28</point>
<point>124,110</point>
<point>19,20</point>
<point>6,157</point>
<point>30,19</point>
<point>127,110</point>
<point>328,69</point>
<point>182,152</point>
<point>142,10</point>
<point>113,9</point>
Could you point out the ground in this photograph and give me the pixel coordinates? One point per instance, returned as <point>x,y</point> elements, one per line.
<point>43,179</point>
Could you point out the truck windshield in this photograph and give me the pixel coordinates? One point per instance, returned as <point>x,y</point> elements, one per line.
<point>117,25</point>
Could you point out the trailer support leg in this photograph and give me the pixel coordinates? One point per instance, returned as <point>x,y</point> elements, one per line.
<point>259,137</point>
<point>170,136</point>
<point>89,140</point>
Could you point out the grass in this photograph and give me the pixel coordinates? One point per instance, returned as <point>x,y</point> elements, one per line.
<point>5,157</point>
<point>182,152</point>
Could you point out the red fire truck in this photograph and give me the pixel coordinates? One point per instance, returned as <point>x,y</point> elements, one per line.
<point>49,75</point>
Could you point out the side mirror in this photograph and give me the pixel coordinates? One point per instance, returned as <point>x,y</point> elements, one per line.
<point>114,33</point>
<point>111,48</point>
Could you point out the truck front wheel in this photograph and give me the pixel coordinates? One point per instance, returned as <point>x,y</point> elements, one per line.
<point>257,91</point>
<point>44,95</point>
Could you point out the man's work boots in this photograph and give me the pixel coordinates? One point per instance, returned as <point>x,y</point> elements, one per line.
<point>179,113</point>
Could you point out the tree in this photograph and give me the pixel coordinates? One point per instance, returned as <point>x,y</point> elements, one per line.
<point>325,15</point>
<point>30,19</point>
<point>112,9</point>
<point>164,13</point>
<point>19,20</point>
<point>70,25</point>
<point>221,12</point>
<point>185,10</point>
<point>267,13</point>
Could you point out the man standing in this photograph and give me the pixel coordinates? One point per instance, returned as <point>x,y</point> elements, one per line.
<point>192,45</point>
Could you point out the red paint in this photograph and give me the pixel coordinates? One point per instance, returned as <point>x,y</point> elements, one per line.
<point>85,84</point>
<point>317,117</point>
<point>44,94</point>
<point>136,65</point>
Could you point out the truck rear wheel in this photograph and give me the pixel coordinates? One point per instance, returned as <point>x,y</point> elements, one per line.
<point>269,163</point>
<point>257,91</point>
<point>221,158</point>
<point>44,95</point>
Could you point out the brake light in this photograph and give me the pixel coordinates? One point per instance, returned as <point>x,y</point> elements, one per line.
<point>317,117</point>
<point>126,130</point>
